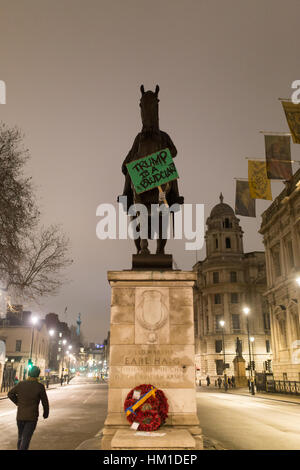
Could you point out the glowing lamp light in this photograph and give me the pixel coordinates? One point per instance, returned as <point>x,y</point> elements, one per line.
<point>298,280</point>
<point>222,323</point>
<point>51,332</point>
<point>246,310</point>
<point>252,339</point>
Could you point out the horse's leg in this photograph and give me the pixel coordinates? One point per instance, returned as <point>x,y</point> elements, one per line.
<point>137,243</point>
<point>144,247</point>
<point>144,241</point>
<point>161,242</point>
<point>160,248</point>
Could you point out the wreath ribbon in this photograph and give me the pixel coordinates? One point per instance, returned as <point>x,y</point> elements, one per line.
<point>132,408</point>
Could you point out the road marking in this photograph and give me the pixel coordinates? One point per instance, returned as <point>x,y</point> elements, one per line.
<point>88,397</point>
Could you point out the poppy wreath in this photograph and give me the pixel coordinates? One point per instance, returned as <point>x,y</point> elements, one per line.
<point>152,413</point>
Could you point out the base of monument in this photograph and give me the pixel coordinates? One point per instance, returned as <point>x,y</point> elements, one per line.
<point>165,438</point>
<point>150,262</point>
<point>241,382</point>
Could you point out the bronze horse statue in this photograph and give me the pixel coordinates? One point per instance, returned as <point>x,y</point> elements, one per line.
<point>148,141</point>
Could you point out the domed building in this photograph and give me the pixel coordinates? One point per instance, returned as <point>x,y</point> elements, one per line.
<point>228,280</point>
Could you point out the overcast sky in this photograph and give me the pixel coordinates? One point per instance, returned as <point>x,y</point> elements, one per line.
<point>73,69</point>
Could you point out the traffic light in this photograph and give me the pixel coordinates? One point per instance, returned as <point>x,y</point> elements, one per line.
<point>30,364</point>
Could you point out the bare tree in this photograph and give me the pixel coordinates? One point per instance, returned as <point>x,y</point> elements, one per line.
<point>39,271</point>
<point>30,259</point>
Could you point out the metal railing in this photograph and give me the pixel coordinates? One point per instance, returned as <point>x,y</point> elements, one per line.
<point>289,387</point>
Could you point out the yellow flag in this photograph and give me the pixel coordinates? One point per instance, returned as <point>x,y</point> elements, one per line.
<point>292,113</point>
<point>259,184</point>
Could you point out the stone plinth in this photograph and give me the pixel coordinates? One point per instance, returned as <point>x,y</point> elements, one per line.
<point>152,341</point>
<point>164,438</point>
<point>240,372</point>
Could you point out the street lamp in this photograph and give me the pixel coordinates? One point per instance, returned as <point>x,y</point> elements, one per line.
<point>252,339</point>
<point>246,311</point>
<point>34,320</point>
<point>222,324</point>
<point>51,334</point>
<point>298,280</point>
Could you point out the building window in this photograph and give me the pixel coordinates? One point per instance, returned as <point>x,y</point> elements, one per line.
<point>217,299</point>
<point>219,366</point>
<point>266,318</point>
<point>218,318</point>
<point>215,277</point>
<point>233,276</point>
<point>290,254</point>
<point>217,243</point>
<point>268,349</point>
<point>18,345</point>
<point>235,321</point>
<point>276,261</point>
<point>60,335</point>
<point>226,223</point>
<point>234,298</point>
<point>228,242</point>
<point>207,324</point>
<point>282,331</point>
<point>219,345</point>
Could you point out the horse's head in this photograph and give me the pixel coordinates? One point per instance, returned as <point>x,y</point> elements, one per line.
<point>149,108</point>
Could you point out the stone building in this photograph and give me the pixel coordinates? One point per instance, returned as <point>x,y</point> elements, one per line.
<point>228,280</point>
<point>24,340</point>
<point>281,235</point>
<point>60,340</point>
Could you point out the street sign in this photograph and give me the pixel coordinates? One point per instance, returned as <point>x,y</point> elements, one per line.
<point>152,171</point>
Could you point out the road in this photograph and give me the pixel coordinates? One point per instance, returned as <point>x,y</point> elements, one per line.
<point>77,413</point>
<point>248,423</point>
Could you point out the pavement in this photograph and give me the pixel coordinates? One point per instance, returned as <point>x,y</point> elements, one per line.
<point>264,395</point>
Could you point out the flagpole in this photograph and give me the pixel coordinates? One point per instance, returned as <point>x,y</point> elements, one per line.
<point>288,134</point>
<point>273,160</point>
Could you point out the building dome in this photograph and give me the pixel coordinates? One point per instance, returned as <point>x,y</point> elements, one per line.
<point>221,209</point>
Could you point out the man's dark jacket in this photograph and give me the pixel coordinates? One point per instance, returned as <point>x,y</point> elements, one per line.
<point>27,396</point>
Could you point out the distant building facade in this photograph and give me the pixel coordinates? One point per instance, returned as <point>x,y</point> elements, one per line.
<point>24,341</point>
<point>228,280</point>
<point>58,333</point>
<point>281,235</point>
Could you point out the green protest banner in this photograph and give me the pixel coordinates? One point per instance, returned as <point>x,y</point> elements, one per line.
<point>152,171</point>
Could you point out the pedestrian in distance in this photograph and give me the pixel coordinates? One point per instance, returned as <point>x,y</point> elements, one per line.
<point>233,381</point>
<point>16,380</point>
<point>27,396</point>
<point>219,382</point>
<point>61,381</point>
<point>229,382</point>
<point>208,381</point>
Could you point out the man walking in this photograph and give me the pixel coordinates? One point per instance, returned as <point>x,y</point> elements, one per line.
<point>27,396</point>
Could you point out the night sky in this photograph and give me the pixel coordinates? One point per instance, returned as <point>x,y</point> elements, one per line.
<point>73,71</point>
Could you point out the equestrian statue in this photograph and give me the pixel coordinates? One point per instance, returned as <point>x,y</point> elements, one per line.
<point>150,140</point>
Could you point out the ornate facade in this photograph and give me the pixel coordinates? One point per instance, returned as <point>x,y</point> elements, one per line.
<point>228,280</point>
<point>281,235</point>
